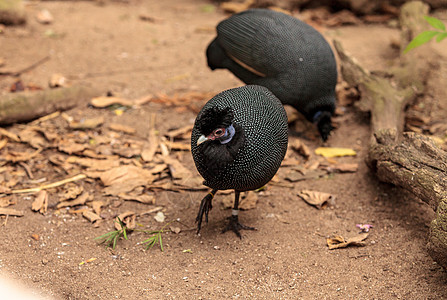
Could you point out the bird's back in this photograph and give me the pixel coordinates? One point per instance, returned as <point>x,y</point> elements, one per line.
<point>298,63</point>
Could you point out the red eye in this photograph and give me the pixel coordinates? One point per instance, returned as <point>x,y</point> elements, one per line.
<point>219,132</point>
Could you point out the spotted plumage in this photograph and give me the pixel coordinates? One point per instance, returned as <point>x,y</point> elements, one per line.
<point>238,141</point>
<point>280,52</point>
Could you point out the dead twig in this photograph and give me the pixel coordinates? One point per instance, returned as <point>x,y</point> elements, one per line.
<point>26,69</point>
<point>51,185</point>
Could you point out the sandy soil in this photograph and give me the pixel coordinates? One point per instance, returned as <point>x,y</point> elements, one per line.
<point>286,258</point>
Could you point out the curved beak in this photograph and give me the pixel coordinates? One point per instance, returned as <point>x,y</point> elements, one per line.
<point>202,139</point>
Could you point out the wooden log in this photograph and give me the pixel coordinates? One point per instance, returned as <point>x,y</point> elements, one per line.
<point>408,160</point>
<point>29,105</point>
<point>12,12</point>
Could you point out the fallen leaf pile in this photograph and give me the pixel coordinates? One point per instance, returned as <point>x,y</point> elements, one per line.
<point>57,156</point>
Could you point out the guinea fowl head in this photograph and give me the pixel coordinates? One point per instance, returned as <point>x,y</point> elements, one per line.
<point>216,125</point>
<point>219,141</point>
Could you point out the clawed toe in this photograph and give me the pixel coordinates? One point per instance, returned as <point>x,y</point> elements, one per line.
<point>235,226</point>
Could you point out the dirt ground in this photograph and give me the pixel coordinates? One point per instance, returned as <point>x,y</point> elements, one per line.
<point>111,48</point>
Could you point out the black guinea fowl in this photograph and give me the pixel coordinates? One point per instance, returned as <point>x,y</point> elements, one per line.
<point>238,142</point>
<point>284,54</point>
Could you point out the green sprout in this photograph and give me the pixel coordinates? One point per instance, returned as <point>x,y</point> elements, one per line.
<point>155,238</point>
<point>426,36</point>
<point>110,238</point>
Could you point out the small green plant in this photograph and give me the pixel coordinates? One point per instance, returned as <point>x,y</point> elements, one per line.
<point>155,238</point>
<point>426,36</point>
<point>110,238</point>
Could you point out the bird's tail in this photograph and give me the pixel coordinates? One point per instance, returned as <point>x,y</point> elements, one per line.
<point>324,124</point>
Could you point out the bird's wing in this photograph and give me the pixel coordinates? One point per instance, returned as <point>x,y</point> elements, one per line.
<point>247,38</point>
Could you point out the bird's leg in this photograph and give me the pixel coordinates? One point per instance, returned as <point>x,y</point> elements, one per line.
<point>234,224</point>
<point>205,206</point>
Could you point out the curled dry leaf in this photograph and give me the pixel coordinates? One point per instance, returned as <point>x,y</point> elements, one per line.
<point>101,102</point>
<point>318,199</point>
<point>78,201</point>
<point>71,192</point>
<point>91,216</point>
<point>13,137</point>
<point>32,136</point>
<point>300,148</point>
<point>338,241</point>
<point>40,204</point>
<point>177,170</point>
<point>128,218</point>
<point>150,147</point>
<point>334,152</point>
<point>247,200</point>
<point>96,205</point>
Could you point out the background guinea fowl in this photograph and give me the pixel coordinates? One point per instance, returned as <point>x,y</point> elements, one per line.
<point>280,52</point>
<point>238,142</point>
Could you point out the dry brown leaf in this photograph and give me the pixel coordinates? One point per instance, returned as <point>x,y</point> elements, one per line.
<point>44,16</point>
<point>318,199</point>
<point>247,200</point>
<point>90,123</point>
<point>124,179</point>
<point>338,241</point>
<point>71,147</point>
<point>11,212</point>
<point>122,128</point>
<point>300,148</point>
<point>14,156</point>
<point>71,192</point>
<point>94,164</point>
<point>13,137</point>
<point>91,216</point>
<point>5,201</point>
<point>41,202</point>
<point>101,102</point>
<point>158,168</point>
<point>127,218</point>
<point>178,146</point>
<point>96,205</point>
<point>78,201</point>
<point>334,151</point>
<point>150,148</point>
<point>180,132</point>
<point>32,136</point>
<point>127,151</point>
<point>35,237</point>
<point>144,198</point>
<point>3,143</point>
<point>177,170</point>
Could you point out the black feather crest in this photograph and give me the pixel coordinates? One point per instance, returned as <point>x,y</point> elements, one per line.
<point>213,118</point>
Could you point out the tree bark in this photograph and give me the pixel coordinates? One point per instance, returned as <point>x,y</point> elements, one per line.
<point>408,160</point>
